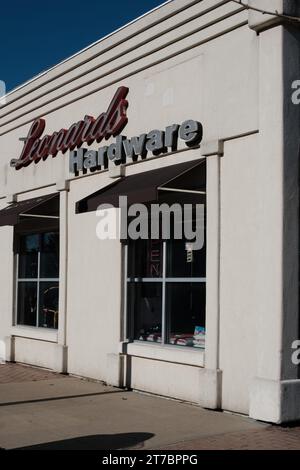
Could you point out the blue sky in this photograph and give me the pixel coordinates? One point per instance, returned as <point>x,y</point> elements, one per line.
<point>36,35</point>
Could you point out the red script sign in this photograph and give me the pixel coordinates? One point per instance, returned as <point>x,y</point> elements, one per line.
<point>108,124</point>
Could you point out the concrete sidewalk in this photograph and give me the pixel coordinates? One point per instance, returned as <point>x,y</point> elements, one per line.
<point>43,410</point>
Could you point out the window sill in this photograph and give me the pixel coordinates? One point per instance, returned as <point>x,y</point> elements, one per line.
<point>30,332</point>
<point>168,353</point>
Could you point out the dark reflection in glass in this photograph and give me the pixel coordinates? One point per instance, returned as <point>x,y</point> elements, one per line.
<point>28,258</point>
<point>48,308</point>
<point>145,308</point>
<point>27,301</point>
<point>49,255</point>
<point>184,261</point>
<point>185,314</point>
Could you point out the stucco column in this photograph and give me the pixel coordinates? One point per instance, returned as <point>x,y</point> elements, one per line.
<point>63,266</point>
<point>211,376</point>
<point>274,394</point>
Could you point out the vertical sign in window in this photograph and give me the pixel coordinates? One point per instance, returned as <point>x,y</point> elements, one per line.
<point>155,258</point>
<point>145,289</point>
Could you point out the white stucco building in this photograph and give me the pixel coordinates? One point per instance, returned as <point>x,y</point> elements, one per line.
<point>73,303</point>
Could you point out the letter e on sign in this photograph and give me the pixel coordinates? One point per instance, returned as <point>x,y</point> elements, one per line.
<point>191,132</point>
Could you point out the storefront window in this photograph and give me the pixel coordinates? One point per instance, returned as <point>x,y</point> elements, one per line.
<point>37,280</point>
<point>166,292</point>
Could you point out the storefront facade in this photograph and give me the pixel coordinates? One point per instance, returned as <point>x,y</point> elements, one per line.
<point>200,92</point>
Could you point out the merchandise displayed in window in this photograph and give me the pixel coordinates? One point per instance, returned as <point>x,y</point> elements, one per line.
<point>37,284</point>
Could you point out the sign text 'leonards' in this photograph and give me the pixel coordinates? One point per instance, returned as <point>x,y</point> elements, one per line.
<point>89,130</point>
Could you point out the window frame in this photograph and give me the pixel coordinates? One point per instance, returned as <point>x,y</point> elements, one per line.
<point>37,280</point>
<point>164,280</point>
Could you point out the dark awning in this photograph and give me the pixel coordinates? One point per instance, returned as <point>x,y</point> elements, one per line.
<point>12,214</point>
<point>140,188</point>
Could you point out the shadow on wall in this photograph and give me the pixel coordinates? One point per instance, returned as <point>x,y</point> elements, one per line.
<point>96,442</point>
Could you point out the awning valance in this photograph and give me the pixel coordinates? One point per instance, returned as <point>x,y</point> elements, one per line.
<point>144,187</point>
<point>12,214</point>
